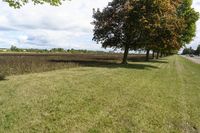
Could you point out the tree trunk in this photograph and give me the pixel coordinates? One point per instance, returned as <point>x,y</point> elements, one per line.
<point>157,55</point>
<point>161,54</point>
<point>153,54</point>
<point>125,54</point>
<point>147,55</point>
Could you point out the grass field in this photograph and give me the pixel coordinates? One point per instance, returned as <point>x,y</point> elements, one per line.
<point>158,96</point>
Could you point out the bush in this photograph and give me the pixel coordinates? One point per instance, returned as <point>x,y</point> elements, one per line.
<point>2,76</point>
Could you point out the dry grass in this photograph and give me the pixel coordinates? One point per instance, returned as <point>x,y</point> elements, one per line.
<point>15,64</point>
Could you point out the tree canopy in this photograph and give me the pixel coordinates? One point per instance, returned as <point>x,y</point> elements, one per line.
<point>190,51</point>
<point>161,25</point>
<point>190,16</point>
<point>20,3</point>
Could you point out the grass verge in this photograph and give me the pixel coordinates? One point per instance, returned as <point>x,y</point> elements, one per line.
<point>160,96</point>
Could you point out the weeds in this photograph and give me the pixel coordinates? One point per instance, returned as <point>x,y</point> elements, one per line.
<point>15,64</point>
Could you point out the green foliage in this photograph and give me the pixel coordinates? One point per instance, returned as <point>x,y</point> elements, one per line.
<point>160,25</point>
<point>197,52</point>
<point>20,3</point>
<point>36,50</point>
<point>24,50</point>
<point>53,50</point>
<point>114,27</point>
<point>15,49</point>
<point>186,51</point>
<point>191,51</point>
<point>57,50</point>
<point>190,17</point>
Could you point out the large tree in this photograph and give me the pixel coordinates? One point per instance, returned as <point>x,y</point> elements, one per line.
<point>114,27</point>
<point>190,17</point>
<point>134,24</point>
<point>184,27</point>
<point>161,25</point>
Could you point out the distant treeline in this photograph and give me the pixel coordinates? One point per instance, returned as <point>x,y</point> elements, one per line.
<point>53,50</point>
<point>191,51</point>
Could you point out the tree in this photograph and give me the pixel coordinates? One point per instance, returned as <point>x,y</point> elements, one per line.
<point>57,50</point>
<point>13,48</point>
<point>167,25</point>
<point>159,25</point>
<point>135,24</point>
<point>113,27</point>
<point>192,51</point>
<point>20,3</point>
<point>190,17</point>
<point>197,52</point>
<point>172,28</point>
<point>186,51</point>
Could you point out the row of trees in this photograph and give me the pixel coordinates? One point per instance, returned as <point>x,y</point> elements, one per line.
<point>190,51</point>
<point>162,26</point>
<point>53,50</point>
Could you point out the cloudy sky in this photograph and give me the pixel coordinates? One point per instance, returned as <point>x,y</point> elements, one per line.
<point>67,26</point>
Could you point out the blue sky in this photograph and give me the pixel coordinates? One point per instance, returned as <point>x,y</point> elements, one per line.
<point>67,26</point>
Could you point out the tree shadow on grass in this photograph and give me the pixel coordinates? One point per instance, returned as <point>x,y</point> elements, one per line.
<point>142,59</point>
<point>158,61</point>
<point>106,64</point>
<point>132,59</point>
<point>1,80</point>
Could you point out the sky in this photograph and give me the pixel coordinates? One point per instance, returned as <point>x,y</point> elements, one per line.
<point>45,27</point>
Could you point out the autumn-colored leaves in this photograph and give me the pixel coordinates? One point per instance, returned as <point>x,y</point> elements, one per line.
<point>159,25</point>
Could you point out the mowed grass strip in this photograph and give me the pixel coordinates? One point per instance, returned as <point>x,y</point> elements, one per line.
<point>161,96</point>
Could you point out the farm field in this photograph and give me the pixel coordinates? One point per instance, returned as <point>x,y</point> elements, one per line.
<point>22,63</point>
<point>100,95</point>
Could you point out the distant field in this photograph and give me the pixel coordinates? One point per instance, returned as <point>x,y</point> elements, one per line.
<point>150,97</point>
<point>21,63</point>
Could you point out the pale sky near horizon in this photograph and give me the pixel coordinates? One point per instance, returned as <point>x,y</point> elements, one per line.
<point>67,26</point>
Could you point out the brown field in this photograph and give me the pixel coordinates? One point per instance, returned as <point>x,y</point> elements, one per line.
<point>21,63</point>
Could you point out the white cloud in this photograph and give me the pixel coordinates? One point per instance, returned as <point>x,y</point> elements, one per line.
<point>22,39</point>
<point>65,26</point>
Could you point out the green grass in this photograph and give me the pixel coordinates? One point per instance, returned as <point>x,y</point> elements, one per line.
<point>155,97</point>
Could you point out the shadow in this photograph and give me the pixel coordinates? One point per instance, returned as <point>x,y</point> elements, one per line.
<point>1,80</point>
<point>158,61</point>
<point>106,59</point>
<point>106,64</point>
<point>150,60</point>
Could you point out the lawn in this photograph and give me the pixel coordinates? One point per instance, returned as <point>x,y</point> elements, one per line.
<point>158,96</point>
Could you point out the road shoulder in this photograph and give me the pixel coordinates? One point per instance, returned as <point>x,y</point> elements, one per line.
<point>193,59</point>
